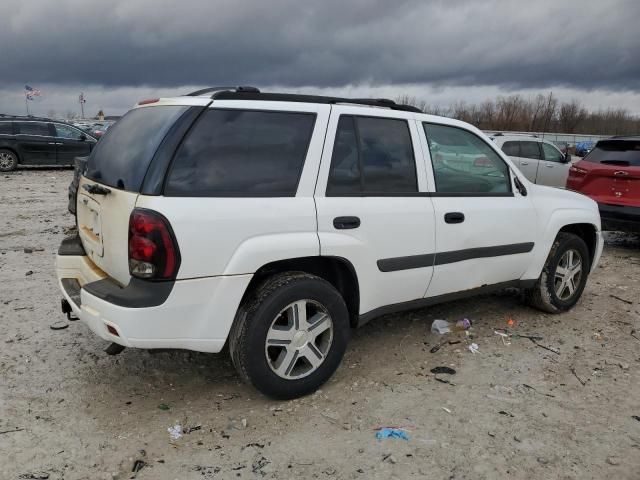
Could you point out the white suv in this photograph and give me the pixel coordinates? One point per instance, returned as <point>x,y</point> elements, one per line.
<point>539,160</point>
<point>276,223</point>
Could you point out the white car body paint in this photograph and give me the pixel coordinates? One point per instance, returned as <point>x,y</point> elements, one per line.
<point>224,241</point>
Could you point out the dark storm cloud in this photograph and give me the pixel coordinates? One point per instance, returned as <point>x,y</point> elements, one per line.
<point>326,43</point>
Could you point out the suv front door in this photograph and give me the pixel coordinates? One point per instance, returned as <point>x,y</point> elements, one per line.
<point>71,143</point>
<point>372,204</point>
<point>36,143</point>
<point>553,170</point>
<point>485,230</point>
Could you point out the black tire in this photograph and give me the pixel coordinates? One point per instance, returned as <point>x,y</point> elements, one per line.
<point>10,157</point>
<point>247,339</point>
<point>543,294</point>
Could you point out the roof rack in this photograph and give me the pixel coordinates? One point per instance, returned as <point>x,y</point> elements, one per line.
<point>197,93</point>
<point>504,134</point>
<point>24,117</point>
<point>244,94</point>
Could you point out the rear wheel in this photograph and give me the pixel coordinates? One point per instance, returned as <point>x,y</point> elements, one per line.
<point>8,160</point>
<point>563,277</point>
<point>290,335</point>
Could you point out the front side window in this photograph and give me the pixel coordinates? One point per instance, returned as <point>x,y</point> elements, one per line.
<point>244,153</point>
<point>65,131</point>
<point>33,128</point>
<point>530,150</point>
<point>551,153</point>
<point>372,156</point>
<point>463,163</point>
<point>6,128</point>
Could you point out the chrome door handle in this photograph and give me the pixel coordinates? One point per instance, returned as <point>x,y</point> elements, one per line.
<point>52,143</point>
<point>549,166</point>
<point>524,163</point>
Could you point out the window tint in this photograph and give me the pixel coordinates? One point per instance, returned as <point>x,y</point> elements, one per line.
<point>242,153</point>
<point>551,153</point>
<point>344,176</point>
<point>464,163</point>
<point>33,128</point>
<point>121,158</point>
<point>511,148</point>
<point>6,128</point>
<point>372,156</point>
<point>65,131</point>
<point>530,150</point>
<point>616,152</point>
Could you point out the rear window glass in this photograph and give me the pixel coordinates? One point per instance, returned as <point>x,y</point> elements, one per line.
<point>121,158</point>
<point>616,152</point>
<point>242,153</point>
<point>6,128</point>
<point>33,128</point>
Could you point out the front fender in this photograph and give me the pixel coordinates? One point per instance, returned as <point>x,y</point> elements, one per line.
<point>558,219</point>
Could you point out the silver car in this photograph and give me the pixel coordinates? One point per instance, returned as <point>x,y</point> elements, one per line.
<point>539,160</point>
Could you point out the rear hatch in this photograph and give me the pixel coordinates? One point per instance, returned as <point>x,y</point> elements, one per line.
<point>610,173</point>
<point>110,186</point>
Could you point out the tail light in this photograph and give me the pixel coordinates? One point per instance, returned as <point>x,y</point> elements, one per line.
<point>153,250</point>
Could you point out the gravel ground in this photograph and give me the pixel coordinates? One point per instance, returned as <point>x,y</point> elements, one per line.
<point>67,410</point>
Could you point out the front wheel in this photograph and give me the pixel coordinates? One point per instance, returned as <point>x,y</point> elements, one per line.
<point>563,277</point>
<point>290,335</point>
<point>8,160</point>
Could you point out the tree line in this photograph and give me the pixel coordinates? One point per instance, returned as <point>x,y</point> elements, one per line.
<point>542,113</point>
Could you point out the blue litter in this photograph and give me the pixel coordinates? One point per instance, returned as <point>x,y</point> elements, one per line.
<point>391,433</point>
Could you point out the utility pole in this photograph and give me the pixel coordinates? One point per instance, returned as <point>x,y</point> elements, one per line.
<point>82,102</point>
<point>26,104</point>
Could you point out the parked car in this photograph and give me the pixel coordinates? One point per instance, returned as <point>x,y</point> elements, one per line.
<point>539,160</point>
<point>610,174</point>
<point>40,141</point>
<point>583,148</point>
<point>276,223</point>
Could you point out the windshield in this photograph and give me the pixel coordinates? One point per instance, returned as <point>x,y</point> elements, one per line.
<point>121,158</point>
<point>616,152</point>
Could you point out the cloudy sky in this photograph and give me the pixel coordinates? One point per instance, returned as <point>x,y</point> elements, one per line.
<point>120,51</point>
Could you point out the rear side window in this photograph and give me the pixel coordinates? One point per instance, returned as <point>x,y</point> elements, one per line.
<point>530,150</point>
<point>121,158</point>
<point>372,156</point>
<point>511,148</point>
<point>33,128</point>
<point>244,153</point>
<point>616,152</point>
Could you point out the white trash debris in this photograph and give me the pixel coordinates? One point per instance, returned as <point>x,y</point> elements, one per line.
<point>474,347</point>
<point>440,327</point>
<point>175,432</point>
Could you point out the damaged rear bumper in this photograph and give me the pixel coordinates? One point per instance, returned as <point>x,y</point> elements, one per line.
<point>194,314</point>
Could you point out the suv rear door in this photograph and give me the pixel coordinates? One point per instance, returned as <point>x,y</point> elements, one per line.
<point>35,143</point>
<point>610,173</point>
<point>115,172</point>
<point>373,206</point>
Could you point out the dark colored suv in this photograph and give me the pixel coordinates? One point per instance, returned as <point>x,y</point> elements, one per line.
<point>40,141</point>
<point>610,174</point>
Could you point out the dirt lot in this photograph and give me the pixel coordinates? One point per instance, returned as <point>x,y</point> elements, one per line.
<point>67,410</point>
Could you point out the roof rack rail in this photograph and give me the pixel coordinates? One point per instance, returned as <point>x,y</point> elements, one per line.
<point>226,94</point>
<point>197,93</point>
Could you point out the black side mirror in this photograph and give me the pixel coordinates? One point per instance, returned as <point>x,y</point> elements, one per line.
<point>82,137</point>
<point>567,158</point>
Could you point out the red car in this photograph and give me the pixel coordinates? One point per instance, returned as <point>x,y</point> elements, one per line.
<point>610,174</point>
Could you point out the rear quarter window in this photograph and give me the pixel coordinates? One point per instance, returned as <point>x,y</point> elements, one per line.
<point>246,153</point>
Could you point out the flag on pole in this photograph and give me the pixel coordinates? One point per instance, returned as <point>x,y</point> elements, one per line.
<point>31,92</point>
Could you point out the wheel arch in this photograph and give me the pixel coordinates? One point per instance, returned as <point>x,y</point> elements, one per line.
<point>338,271</point>
<point>587,232</point>
<point>12,150</point>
